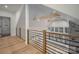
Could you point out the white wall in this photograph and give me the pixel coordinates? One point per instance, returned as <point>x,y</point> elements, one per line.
<point>70,9</point>
<point>13,24</point>
<point>21,23</point>
<point>38,10</point>
<point>16,17</point>
<point>6,14</point>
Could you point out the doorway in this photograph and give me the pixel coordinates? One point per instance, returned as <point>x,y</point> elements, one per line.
<point>20,32</point>
<point>4,26</point>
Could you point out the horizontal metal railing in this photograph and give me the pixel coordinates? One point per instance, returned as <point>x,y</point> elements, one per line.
<point>63,43</point>
<point>36,39</point>
<point>48,42</point>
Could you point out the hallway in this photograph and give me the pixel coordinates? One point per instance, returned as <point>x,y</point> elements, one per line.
<point>15,45</point>
<point>30,26</point>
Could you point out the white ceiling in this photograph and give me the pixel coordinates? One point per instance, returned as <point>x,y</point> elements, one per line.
<point>70,9</point>
<point>11,7</point>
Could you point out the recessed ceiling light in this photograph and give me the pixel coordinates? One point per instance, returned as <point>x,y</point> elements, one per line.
<point>5,6</point>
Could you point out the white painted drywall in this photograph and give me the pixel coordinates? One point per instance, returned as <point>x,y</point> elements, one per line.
<point>21,23</point>
<point>4,13</point>
<point>16,17</point>
<point>13,25</point>
<point>70,9</point>
<point>38,10</point>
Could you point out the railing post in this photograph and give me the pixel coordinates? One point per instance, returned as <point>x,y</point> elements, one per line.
<point>27,36</point>
<point>44,41</point>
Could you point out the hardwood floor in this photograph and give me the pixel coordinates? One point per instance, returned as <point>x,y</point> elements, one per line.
<point>15,45</point>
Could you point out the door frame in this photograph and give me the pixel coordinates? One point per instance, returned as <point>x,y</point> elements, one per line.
<point>9,25</point>
<point>20,32</point>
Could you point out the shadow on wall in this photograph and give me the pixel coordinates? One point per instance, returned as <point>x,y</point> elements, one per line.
<point>20,28</point>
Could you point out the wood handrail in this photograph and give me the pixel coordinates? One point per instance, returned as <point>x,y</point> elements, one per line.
<point>63,34</point>
<point>36,30</point>
<point>69,35</point>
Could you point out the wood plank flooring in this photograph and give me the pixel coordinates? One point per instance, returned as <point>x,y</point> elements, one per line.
<point>15,45</point>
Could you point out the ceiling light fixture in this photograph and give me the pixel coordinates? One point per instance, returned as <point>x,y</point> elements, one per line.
<point>6,6</point>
